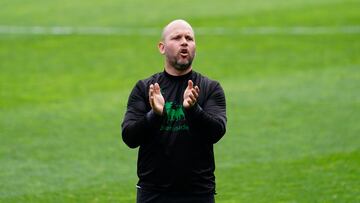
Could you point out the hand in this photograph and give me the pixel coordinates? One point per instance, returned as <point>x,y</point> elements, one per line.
<point>190,95</point>
<point>156,99</point>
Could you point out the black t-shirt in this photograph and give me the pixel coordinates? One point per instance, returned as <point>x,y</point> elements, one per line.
<point>176,149</point>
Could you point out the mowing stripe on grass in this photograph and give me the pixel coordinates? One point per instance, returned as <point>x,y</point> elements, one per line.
<point>153,31</point>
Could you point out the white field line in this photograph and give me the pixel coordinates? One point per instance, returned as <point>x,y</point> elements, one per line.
<point>152,31</point>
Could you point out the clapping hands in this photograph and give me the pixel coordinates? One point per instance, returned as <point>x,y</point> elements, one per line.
<point>157,100</point>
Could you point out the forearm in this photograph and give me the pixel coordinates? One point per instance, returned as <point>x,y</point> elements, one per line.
<point>135,131</point>
<point>213,127</point>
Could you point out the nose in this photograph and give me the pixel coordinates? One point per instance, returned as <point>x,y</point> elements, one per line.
<point>183,41</point>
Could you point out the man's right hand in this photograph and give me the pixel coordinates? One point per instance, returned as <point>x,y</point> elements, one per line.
<point>156,99</point>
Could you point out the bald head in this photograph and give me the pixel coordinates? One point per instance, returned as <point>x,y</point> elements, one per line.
<point>178,46</point>
<point>173,26</point>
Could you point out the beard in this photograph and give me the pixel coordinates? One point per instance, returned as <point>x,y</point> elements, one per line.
<point>180,64</point>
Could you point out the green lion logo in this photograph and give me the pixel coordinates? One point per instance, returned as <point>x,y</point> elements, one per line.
<point>174,112</point>
<point>174,118</point>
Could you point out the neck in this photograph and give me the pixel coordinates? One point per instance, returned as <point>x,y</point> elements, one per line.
<point>175,72</point>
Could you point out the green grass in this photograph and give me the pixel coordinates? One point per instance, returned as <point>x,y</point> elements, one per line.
<point>293,100</point>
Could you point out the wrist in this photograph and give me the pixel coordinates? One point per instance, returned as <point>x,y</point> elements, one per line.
<point>152,117</point>
<point>195,108</point>
<point>159,111</point>
<point>188,105</point>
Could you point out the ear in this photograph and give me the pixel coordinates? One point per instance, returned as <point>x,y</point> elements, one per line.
<point>161,47</point>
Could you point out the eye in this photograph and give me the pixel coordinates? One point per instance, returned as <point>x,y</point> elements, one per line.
<point>176,37</point>
<point>189,38</point>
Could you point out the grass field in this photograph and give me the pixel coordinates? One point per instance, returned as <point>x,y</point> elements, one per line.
<point>293,99</point>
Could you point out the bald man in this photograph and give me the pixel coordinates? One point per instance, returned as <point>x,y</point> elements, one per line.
<point>175,117</point>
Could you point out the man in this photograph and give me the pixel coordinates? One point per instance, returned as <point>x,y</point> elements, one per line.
<point>175,116</point>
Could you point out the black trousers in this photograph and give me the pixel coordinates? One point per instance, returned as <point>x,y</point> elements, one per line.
<point>145,196</point>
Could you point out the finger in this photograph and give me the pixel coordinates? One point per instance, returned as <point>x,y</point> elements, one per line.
<point>190,84</point>
<point>152,103</point>
<point>192,97</point>
<point>157,88</point>
<point>151,100</point>
<point>193,91</point>
<point>197,89</point>
<point>189,102</point>
<point>151,90</point>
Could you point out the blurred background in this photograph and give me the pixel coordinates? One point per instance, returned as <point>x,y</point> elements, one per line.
<point>290,70</point>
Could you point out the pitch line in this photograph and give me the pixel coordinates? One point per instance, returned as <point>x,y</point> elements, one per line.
<point>152,31</point>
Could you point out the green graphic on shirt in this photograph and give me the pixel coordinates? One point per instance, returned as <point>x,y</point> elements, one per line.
<point>174,112</point>
<point>175,118</point>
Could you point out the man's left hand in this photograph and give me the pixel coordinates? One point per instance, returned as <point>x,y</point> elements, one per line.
<point>191,95</point>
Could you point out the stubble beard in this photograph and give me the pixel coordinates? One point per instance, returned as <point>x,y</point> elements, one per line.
<point>181,66</point>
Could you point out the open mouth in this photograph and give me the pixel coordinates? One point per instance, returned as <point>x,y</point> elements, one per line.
<point>184,52</point>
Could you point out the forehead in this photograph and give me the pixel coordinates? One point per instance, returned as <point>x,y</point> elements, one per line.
<point>178,28</point>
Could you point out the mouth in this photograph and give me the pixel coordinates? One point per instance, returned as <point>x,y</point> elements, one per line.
<point>184,52</point>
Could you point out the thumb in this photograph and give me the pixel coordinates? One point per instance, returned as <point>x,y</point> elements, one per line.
<point>190,84</point>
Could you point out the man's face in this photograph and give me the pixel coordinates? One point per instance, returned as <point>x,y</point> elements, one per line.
<point>178,46</point>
